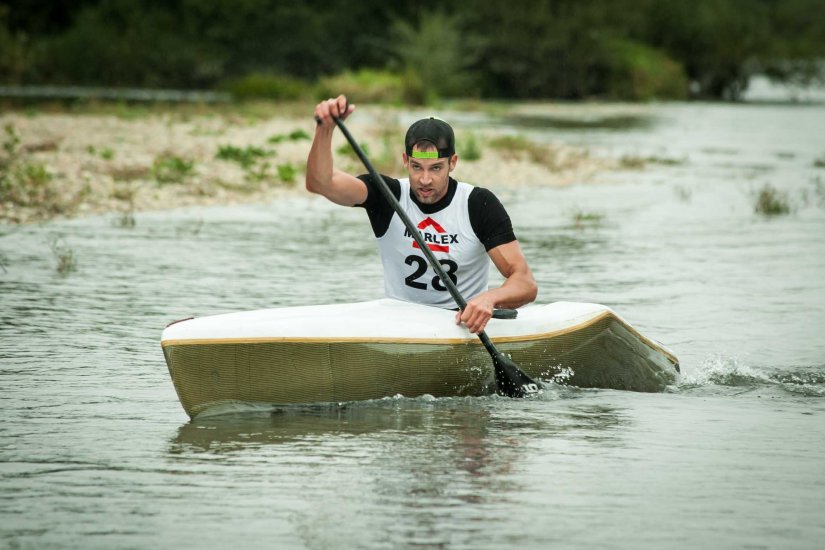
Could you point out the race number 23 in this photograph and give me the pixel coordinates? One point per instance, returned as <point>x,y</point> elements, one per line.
<point>421,267</point>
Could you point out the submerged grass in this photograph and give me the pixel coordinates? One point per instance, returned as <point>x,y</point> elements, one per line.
<point>582,218</point>
<point>771,202</point>
<point>636,162</point>
<point>66,261</point>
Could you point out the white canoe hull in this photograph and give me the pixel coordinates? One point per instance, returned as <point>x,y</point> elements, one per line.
<point>369,350</point>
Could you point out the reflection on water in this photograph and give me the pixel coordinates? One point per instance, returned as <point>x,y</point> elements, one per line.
<point>465,419</point>
<point>421,462</point>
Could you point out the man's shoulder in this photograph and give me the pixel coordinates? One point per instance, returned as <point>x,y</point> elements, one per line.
<point>482,198</point>
<point>373,192</point>
<point>489,219</point>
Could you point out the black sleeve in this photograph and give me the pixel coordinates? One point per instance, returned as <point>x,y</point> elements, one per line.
<point>378,208</point>
<point>489,219</point>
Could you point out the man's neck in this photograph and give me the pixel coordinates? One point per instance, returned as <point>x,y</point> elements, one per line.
<point>444,202</point>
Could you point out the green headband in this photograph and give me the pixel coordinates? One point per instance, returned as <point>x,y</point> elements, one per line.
<point>425,154</point>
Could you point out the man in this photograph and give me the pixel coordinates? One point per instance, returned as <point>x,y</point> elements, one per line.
<point>464,226</point>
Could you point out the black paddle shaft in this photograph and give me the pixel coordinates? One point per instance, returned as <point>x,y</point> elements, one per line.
<point>514,381</point>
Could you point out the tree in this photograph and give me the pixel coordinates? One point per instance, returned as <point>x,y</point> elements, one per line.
<point>435,54</point>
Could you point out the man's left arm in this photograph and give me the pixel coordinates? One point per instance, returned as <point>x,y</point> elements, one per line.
<point>519,288</point>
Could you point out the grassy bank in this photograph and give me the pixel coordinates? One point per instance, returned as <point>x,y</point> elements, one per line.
<point>59,161</point>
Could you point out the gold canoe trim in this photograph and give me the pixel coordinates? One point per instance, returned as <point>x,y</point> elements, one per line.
<point>394,340</point>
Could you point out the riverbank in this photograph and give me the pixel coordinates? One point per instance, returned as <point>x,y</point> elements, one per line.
<point>120,159</point>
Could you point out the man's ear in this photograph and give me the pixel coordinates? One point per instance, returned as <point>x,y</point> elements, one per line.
<point>405,158</point>
<point>453,162</point>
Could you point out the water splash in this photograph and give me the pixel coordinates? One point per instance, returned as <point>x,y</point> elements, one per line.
<point>720,370</point>
<point>808,382</point>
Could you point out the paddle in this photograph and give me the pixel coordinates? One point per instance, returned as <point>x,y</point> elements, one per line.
<point>511,381</point>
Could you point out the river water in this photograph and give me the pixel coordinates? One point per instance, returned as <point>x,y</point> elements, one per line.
<point>96,452</point>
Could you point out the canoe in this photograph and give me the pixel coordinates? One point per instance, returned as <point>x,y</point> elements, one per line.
<point>369,350</point>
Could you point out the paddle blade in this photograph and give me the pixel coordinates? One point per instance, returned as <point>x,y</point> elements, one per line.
<point>511,381</point>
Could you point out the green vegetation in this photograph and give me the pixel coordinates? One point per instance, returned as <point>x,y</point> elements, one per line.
<point>387,162</point>
<point>371,86</point>
<point>126,219</point>
<point>819,162</point>
<point>246,156</point>
<point>435,56</point>
<point>263,86</point>
<point>105,153</point>
<point>66,261</point>
<point>287,172</point>
<point>346,150</point>
<point>514,147</point>
<point>771,202</point>
<point>295,135</point>
<point>469,148</point>
<point>10,145</point>
<point>256,168</point>
<point>640,72</point>
<point>24,182</point>
<point>171,168</point>
<point>404,51</point>
<point>129,173</point>
<point>587,219</point>
<point>632,162</point>
<point>819,189</point>
<point>636,162</point>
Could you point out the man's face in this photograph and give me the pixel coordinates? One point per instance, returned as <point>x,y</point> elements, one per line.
<point>429,178</point>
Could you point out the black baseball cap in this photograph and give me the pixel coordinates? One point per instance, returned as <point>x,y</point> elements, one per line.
<point>435,131</point>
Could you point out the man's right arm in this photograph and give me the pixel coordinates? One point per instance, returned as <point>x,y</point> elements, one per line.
<point>321,176</point>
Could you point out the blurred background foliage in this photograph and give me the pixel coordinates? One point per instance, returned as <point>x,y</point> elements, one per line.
<point>411,52</point>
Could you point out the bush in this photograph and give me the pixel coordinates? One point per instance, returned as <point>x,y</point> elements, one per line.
<point>639,72</point>
<point>263,86</point>
<point>469,148</point>
<point>372,86</point>
<point>13,62</point>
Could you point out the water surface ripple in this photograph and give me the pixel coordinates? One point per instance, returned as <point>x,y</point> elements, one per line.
<point>96,452</point>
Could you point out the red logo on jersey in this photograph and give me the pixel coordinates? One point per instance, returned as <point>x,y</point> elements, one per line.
<point>436,243</point>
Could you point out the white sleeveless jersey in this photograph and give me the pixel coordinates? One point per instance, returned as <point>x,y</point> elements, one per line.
<point>449,234</point>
